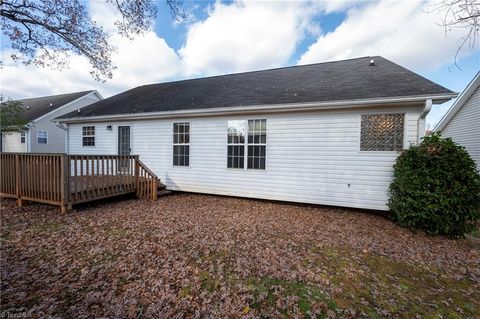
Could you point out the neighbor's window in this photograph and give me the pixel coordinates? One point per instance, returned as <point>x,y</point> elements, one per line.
<point>254,145</point>
<point>88,136</point>
<point>42,137</point>
<point>181,144</point>
<point>22,138</point>
<point>382,132</point>
<point>236,144</point>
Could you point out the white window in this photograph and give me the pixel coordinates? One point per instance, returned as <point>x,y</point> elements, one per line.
<point>254,146</point>
<point>382,132</point>
<point>42,137</point>
<point>236,144</point>
<point>181,144</point>
<point>22,138</point>
<point>88,136</point>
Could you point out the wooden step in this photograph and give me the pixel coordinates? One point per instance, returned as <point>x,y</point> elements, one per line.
<point>163,192</point>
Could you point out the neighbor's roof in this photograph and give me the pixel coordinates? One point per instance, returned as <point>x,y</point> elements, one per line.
<point>345,80</point>
<point>464,96</point>
<point>36,107</point>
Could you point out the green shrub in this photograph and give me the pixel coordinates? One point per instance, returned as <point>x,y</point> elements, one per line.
<point>436,187</point>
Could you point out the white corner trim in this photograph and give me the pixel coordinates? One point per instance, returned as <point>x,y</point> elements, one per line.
<point>68,104</point>
<point>457,105</point>
<point>345,104</point>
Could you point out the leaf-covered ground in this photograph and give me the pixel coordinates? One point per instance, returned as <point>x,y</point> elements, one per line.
<point>205,256</point>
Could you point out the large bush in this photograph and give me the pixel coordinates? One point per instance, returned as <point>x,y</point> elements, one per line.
<point>436,187</point>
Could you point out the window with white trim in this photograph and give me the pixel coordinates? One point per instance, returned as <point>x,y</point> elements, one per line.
<point>257,144</point>
<point>22,138</point>
<point>250,138</point>
<point>88,136</point>
<point>236,144</point>
<point>181,144</point>
<point>42,137</point>
<point>382,132</point>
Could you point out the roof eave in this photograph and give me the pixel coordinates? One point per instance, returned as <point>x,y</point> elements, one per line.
<point>345,104</point>
<point>464,96</point>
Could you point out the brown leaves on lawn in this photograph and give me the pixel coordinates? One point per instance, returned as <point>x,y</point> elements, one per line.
<point>205,256</point>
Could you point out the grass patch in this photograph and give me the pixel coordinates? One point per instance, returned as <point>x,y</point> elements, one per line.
<point>48,227</point>
<point>476,233</point>
<point>289,298</point>
<point>379,287</point>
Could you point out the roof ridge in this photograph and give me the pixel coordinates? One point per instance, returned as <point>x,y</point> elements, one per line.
<point>55,95</point>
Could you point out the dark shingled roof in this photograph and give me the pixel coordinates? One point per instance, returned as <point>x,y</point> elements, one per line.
<point>323,82</point>
<point>36,107</point>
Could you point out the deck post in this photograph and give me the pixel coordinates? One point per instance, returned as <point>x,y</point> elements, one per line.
<point>154,190</point>
<point>65,191</point>
<point>137,170</point>
<point>17,181</point>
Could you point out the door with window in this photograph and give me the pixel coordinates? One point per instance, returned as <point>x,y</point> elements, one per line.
<point>124,146</point>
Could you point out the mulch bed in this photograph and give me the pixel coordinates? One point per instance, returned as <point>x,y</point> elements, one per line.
<point>190,255</point>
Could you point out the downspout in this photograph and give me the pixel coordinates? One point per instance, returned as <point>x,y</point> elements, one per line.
<point>421,127</point>
<point>65,128</point>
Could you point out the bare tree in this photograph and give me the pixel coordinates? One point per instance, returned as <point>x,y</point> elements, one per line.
<point>44,32</point>
<point>461,14</point>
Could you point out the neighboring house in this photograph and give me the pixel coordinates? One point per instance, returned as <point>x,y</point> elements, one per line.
<point>462,121</point>
<point>325,133</point>
<point>42,135</point>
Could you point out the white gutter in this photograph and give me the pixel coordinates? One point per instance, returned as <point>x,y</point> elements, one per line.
<point>421,126</point>
<point>259,108</point>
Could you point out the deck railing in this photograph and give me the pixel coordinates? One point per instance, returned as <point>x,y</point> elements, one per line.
<point>147,181</point>
<point>65,180</point>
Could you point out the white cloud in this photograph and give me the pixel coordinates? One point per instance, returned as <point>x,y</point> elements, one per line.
<point>244,36</point>
<point>399,30</point>
<point>144,60</point>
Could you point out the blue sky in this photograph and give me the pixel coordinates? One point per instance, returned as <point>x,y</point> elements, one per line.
<point>235,36</point>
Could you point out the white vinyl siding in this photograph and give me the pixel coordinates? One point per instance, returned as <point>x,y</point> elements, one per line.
<point>56,135</point>
<point>11,142</point>
<point>464,126</point>
<point>313,157</point>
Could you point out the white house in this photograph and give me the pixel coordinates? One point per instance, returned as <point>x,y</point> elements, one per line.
<point>325,133</point>
<point>462,121</point>
<point>41,134</point>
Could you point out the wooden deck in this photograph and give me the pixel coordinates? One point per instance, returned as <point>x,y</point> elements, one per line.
<point>66,180</point>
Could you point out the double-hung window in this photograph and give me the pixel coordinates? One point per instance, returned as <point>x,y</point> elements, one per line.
<point>382,132</point>
<point>236,144</point>
<point>247,138</point>
<point>88,136</point>
<point>22,138</point>
<point>181,144</point>
<point>42,137</point>
<point>257,144</point>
